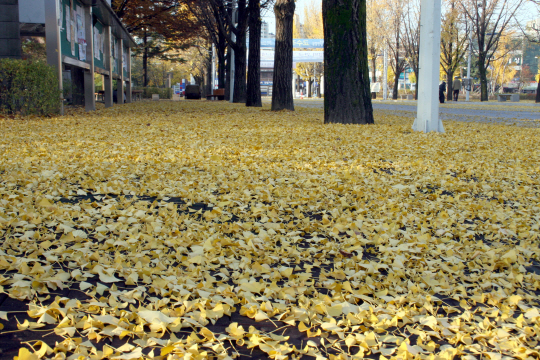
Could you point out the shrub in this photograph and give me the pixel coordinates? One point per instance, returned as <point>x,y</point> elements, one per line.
<point>28,88</point>
<point>164,93</point>
<point>527,96</point>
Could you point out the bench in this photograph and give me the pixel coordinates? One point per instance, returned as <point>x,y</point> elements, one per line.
<point>100,94</point>
<point>407,97</point>
<point>137,94</point>
<point>217,94</point>
<point>506,97</point>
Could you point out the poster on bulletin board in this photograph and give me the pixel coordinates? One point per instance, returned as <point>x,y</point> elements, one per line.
<point>96,44</point>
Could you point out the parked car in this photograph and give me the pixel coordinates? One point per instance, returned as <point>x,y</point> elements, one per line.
<point>193,92</point>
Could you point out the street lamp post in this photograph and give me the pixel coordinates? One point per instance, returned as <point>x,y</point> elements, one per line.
<point>427,113</point>
<point>385,75</point>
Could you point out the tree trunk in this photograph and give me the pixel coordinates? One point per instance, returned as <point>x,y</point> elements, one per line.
<point>347,98</point>
<point>253,96</point>
<point>373,68</point>
<point>207,90</point>
<point>449,85</point>
<point>309,87</point>
<point>228,74</point>
<point>396,86</point>
<point>537,93</point>
<point>483,78</point>
<point>220,49</point>
<point>239,95</point>
<point>282,96</point>
<point>145,60</point>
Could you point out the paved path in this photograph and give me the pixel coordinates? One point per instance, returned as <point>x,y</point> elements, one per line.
<point>509,117</point>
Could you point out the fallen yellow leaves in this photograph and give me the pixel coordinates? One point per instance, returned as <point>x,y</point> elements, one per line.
<point>135,232</point>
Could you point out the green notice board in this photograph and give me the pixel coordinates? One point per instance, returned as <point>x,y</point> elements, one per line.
<point>114,48</point>
<point>72,13</point>
<point>125,59</point>
<point>99,40</point>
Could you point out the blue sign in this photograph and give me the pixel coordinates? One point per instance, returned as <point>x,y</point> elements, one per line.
<point>267,83</point>
<point>297,43</point>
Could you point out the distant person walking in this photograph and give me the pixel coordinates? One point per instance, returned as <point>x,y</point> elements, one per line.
<point>456,86</point>
<point>442,90</point>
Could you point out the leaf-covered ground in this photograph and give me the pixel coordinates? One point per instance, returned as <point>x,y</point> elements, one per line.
<point>195,230</point>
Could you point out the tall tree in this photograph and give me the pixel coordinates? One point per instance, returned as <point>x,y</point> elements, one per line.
<point>504,64</point>
<point>282,96</point>
<point>394,40</point>
<point>164,28</point>
<point>206,16</point>
<point>532,34</point>
<point>411,39</point>
<point>454,41</point>
<point>253,96</point>
<point>489,19</point>
<point>239,29</point>
<point>347,97</point>
<point>375,34</point>
<point>312,29</point>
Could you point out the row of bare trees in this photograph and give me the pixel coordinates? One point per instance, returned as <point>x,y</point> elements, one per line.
<point>395,25</point>
<point>345,65</point>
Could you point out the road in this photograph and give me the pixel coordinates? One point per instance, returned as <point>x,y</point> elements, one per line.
<point>509,114</point>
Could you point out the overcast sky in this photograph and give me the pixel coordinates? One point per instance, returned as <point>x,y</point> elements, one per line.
<point>526,13</point>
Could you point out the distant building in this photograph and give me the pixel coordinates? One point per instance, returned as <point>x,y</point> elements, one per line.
<point>533,26</point>
<point>264,30</point>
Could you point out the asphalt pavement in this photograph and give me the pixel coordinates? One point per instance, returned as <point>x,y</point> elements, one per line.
<point>508,115</point>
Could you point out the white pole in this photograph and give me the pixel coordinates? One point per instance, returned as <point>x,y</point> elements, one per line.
<point>293,84</point>
<point>427,113</point>
<point>469,67</point>
<point>385,76</point>
<point>213,67</point>
<point>233,37</point>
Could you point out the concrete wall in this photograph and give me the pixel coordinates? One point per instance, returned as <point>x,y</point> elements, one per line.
<point>32,11</point>
<point>10,38</point>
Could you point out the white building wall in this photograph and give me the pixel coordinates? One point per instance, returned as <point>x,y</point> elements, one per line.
<point>32,11</point>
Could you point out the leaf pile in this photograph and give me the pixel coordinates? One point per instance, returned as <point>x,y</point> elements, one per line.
<point>141,231</point>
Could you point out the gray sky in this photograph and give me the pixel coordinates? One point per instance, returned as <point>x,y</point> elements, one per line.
<point>526,13</point>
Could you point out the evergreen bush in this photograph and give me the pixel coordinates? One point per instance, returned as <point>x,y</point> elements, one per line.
<point>164,93</point>
<point>28,87</point>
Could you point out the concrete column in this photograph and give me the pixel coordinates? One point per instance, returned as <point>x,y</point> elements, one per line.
<point>427,113</point>
<point>10,37</point>
<point>107,62</point>
<point>53,44</point>
<point>128,80</point>
<point>89,84</point>
<point>120,81</point>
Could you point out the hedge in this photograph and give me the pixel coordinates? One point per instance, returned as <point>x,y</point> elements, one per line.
<point>28,87</point>
<point>164,93</point>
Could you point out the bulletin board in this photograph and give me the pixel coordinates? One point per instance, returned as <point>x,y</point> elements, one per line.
<point>99,41</point>
<point>72,32</point>
<point>125,61</point>
<point>115,56</point>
